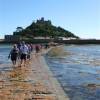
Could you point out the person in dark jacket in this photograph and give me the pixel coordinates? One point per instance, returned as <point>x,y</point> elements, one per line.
<point>37,48</point>
<point>14,54</point>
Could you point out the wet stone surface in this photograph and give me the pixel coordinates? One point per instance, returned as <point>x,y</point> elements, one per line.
<point>25,83</point>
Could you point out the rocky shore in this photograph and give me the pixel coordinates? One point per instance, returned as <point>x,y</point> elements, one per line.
<point>31,82</point>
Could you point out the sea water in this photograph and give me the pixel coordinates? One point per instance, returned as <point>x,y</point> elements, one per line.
<point>4,52</point>
<point>79,72</point>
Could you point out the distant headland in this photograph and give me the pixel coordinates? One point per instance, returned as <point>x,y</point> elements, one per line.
<point>43,31</point>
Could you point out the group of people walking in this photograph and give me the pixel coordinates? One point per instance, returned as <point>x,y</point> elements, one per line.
<point>22,52</point>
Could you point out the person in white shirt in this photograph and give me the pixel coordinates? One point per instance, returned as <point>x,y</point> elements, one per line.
<point>23,53</point>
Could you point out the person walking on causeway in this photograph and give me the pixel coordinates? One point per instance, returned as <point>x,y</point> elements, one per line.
<point>14,54</point>
<point>23,53</point>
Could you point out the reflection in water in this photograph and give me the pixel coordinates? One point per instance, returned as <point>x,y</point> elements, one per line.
<point>79,73</point>
<point>14,83</point>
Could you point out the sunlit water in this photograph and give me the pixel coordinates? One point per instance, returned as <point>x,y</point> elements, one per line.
<point>78,73</point>
<point>4,52</point>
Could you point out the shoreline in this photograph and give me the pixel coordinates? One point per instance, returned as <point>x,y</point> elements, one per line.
<point>61,95</point>
<point>77,41</point>
<point>35,81</point>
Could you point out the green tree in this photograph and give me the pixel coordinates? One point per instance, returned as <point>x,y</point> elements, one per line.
<point>43,28</point>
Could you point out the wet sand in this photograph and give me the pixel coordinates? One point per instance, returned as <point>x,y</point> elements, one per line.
<point>31,82</point>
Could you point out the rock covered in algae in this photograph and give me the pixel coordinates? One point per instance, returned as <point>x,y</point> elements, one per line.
<point>58,51</point>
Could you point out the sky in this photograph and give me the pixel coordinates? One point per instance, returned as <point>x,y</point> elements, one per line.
<point>81,17</point>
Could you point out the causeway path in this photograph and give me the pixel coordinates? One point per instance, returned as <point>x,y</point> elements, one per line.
<point>34,81</point>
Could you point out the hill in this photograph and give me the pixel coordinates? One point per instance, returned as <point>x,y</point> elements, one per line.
<point>42,28</point>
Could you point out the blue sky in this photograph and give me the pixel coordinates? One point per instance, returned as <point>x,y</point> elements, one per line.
<point>82,17</point>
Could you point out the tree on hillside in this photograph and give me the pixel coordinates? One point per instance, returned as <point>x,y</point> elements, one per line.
<point>43,28</point>
<point>19,29</point>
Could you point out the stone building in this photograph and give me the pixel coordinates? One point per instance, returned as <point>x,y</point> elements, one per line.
<point>12,38</point>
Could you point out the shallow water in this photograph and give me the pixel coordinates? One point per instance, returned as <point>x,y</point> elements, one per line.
<point>4,52</point>
<point>79,73</point>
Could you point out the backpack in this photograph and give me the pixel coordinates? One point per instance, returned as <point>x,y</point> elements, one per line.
<point>14,51</point>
